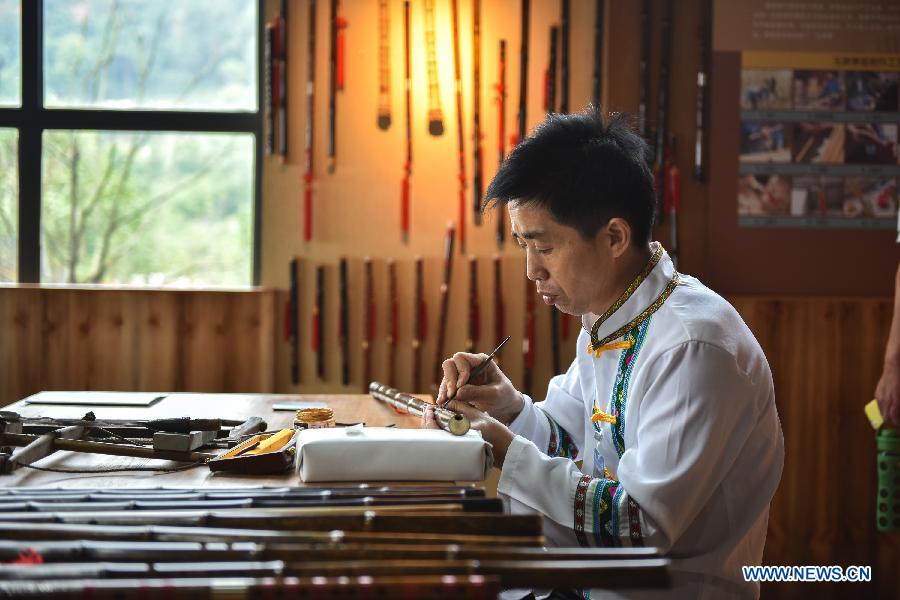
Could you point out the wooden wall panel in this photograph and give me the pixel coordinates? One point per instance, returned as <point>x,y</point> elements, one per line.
<point>157,318</point>
<point>21,331</point>
<point>116,339</point>
<point>826,357</point>
<point>56,367</point>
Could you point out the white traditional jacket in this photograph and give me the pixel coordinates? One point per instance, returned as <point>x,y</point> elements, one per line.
<point>671,408</point>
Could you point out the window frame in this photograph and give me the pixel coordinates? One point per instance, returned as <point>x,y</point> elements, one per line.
<point>31,119</point>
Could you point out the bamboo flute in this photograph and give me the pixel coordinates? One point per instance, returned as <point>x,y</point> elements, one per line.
<point>651,572</point>
<point>11,530</point>
<point>455,423</point>
<point>460,132</point>
<point>87,550</point>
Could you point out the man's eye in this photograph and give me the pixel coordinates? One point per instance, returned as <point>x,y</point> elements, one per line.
<point>544,250</point>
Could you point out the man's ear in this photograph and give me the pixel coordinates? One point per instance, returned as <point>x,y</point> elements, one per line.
<point>618,236</point>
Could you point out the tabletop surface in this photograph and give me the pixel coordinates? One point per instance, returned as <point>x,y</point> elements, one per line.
<point>348,408</point>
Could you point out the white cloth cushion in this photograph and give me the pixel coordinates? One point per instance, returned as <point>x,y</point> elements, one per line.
<point>389,454</point>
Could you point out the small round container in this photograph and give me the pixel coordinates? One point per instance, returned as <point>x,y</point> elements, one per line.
<point>314,418</point>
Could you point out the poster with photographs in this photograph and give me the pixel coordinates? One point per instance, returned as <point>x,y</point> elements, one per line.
<point>819,146</point>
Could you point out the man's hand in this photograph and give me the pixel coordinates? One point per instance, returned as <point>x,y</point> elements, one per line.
<point>493,431</point>
<point>887,392</point>
<point>491,392</point>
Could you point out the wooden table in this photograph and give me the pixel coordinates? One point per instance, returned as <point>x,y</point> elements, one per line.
<point>349,408</point>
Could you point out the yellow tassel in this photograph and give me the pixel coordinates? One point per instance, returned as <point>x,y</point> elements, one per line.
<point>620,345</point>
<point>599,415</point>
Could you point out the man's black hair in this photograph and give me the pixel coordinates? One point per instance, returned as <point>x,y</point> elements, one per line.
<point>584,169</point>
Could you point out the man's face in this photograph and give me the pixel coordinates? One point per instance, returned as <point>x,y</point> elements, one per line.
<point>569,272</point>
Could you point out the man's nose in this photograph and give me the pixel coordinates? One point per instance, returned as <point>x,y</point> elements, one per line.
<point>534,269</point>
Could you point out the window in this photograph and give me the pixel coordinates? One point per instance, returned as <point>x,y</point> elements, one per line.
<point>150,54</point>
<point>9,214</point>
<point>10,54</point>
<point>139,130</point>
<point>146,208</point>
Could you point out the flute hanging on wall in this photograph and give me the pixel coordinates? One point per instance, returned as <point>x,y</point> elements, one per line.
<point>281,57</point>
<point>662,111</point>
<point>420,325</point>
<point>564,56</point>
<point>369,331</point>
<point>597,87</point>
<point>435,113</point>
<point>501,135</point>
<point>310,122</point>
<point>294,320</point>
<point>336,81</point>
<point>499,306</point>
<point>460,132</point>
<point>702,92</point>
<point>455,423</point>
<point>644,76</point>
<point>344,323</point>
<point>528,339</point>
<point>407,166</point>
<point>445,301</point>
<point>269,88</point>
<point>550,73</point>
<point>318,322</point>
<point>672,199</point>
<point>393,322</point>
<point>474,307</point>
<point>477,188</point>
<point>523,74</point>
<point>384,65</point>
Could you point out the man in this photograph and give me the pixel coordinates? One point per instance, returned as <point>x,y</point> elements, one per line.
<point>887,392</point>
<point>669,402</point>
